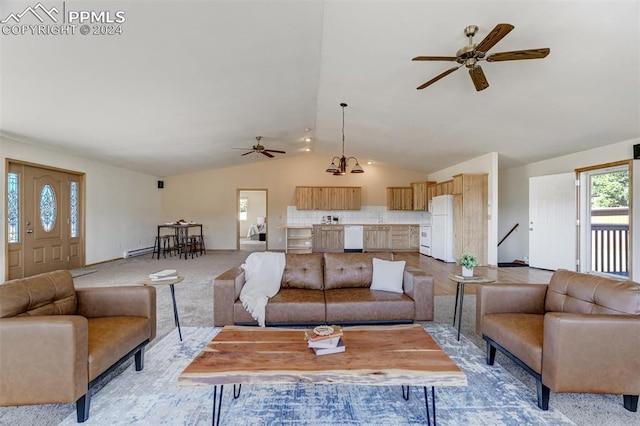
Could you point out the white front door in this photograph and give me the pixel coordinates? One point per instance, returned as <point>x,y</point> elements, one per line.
<point>552,222</point>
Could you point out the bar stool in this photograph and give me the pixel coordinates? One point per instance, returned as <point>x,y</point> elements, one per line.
<point>200,248</point>
<point>157,247</point>
<point>193,245</point>
<point>181,242</point>
<point>168,244</point>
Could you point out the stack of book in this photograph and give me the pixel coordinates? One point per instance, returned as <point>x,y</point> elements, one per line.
<point>329,342</point>
<point>471,278</point>
<point>167,274</point>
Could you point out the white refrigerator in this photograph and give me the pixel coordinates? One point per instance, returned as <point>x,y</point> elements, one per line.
<point>442,228</point>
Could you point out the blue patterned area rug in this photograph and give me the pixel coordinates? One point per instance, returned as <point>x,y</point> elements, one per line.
<point>152,397</point>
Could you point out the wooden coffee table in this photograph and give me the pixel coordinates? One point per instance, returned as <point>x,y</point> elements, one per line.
<point>404,355</point>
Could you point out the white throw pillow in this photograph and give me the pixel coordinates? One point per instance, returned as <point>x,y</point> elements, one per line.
<point>387,275</point>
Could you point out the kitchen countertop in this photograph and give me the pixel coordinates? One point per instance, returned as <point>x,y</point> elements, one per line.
<point>350,224</point>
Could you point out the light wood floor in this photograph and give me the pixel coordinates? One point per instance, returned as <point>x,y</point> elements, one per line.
<point>444,286</point>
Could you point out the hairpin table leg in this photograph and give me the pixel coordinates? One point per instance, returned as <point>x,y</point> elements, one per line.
<point>405,395</point>
<point>215,421</point>
<point>433,400</point>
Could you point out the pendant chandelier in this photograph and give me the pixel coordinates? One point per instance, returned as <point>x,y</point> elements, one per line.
<point>340,168</point>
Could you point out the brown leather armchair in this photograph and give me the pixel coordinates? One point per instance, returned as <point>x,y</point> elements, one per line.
<point>57,342</point>
<point>580,333</point>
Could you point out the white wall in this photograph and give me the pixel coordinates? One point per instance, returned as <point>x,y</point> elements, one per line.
<point>487,163</point>
<point>122,207</point>
<point>514,195</point>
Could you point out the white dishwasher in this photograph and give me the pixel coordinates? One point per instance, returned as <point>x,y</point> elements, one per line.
<point>353,238</point>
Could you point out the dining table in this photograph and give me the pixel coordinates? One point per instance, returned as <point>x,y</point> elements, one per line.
<point>181,231</point>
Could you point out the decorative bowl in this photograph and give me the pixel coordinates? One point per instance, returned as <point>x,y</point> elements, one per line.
<point>323,330</point>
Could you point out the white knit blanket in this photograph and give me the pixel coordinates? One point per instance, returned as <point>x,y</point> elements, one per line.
<point>263,273</point>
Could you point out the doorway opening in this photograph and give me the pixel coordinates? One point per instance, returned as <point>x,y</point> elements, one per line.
<point>252,230</point>
<point>605,219</point>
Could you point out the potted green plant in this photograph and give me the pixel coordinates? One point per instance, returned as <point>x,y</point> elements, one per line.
<point>468,261</point>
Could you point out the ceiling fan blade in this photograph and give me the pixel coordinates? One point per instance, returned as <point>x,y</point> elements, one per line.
<point>435,58</point>
<point>436,78</point>
<point>494,37</point>
<point>276,151</point>
<point>478,78</point>
<point>517,55</point>
<point>247,153</point>
<point>267,154</point>
<point>246,149</point>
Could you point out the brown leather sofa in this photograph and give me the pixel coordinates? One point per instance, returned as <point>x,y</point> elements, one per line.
<point>580,333</point>
<point>57,342</point>
<point>333,288</point>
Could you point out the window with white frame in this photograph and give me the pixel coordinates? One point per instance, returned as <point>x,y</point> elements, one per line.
<point>244,202</point>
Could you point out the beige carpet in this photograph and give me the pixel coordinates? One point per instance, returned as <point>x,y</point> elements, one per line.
<point>194,298</point>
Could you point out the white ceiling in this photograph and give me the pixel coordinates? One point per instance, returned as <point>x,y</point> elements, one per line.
<point>189,80</point>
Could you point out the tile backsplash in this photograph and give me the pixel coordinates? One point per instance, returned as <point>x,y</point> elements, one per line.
<point>367,214</point>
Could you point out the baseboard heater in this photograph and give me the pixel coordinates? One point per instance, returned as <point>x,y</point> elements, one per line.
<point>137,252</point>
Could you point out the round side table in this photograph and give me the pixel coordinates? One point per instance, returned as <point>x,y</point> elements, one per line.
<point>170,283</point>
<point>460,294</point>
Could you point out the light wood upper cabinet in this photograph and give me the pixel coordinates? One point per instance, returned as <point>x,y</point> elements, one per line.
<point>421,195</point>
<point>304,198</point>
<point>400,198</point>
<point>345,198</point>
<point>321,198</point>
<point>457,184</point>
<point>470,216</point>
<point>328,197</point>
<point>431,192</point>
<point>444,188</point>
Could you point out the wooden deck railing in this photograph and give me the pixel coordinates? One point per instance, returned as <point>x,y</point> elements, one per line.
<point>610,248</point>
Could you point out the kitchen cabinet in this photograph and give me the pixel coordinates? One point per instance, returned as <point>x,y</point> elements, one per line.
<point>431,192</point>
<point>377,237</point>
<point>470,216</point>
<point>299,239</point>
<point>400,198</point>
<point>421,195</point>
<point>328,197</point>
<point>321,198</point>
<point>444,188</point>
<point>304,198</point>
<point>458,182</point>
<point>414,237</point>
<point>400,235</point>
<point>391,237</point>
<point>405,237</point>
<point>328,238</point>
<point>345,198</point>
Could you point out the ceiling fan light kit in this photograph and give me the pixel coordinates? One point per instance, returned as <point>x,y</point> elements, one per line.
<point>472,53</point>
<point>340,168</point>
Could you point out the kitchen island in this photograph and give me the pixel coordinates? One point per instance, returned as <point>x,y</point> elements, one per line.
<point>375,237</point>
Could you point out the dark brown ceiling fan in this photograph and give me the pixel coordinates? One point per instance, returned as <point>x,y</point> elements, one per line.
<point>260,149</point>
<point>471,54</point>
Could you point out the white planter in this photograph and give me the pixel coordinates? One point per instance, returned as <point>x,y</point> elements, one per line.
<point>467,272</point>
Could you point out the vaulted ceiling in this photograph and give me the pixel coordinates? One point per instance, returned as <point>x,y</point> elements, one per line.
<point>187,81</point>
